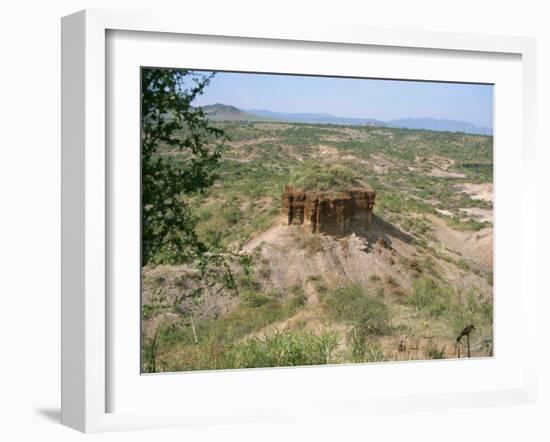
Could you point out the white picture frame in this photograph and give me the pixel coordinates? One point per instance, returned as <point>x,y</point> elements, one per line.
<point>86,203</point>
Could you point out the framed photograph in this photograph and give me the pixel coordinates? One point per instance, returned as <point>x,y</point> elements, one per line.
<point>263,223</point>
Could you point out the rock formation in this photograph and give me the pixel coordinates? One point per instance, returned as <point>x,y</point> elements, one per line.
<point>334,213</point>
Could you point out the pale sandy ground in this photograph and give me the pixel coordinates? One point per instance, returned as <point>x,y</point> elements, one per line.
<point>477,191</point>
<point>436,172</point>
<point>294,257</point>
<point>354,258</point>
<point>290,251</point>
<point>444,212</point>
<point>332,155</point>
<point>478,214</point>
<point>477,246</point>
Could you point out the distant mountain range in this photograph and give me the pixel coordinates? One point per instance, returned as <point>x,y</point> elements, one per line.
<point>224,112</point>
<point>313,118</point>
<point>439,125</point>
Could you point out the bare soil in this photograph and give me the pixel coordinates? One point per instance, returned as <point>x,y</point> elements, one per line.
<point>482,191</point>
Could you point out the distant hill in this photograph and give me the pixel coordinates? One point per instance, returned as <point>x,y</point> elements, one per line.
<point>439,125</point>
<point>313,118</point>
<point>224,112</point>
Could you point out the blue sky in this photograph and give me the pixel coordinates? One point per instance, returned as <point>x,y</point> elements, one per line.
<point>350,97</point>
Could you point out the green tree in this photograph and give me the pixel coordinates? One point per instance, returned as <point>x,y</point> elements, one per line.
<point>170,122</point>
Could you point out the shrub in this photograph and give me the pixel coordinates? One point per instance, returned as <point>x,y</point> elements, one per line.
<point>254,299</point>
<point>457,308</point>
<point>468,224</point>
<point>433,352</point>
<point>464,265</point>
<point>426,295</point>
<point>374,354</point>
<point>311,175</point>
<point>469,309</point>
<point>245,282</point>
<point>360,350</point>
<point>299,298</point>
<point>351,303</point>
<point>318,283</point>
<point>265,272</point>
<point>357,345</point>
<point>232,215</point>
<point>147,311</point>
<point>275,349</point>
<point>286,349</point>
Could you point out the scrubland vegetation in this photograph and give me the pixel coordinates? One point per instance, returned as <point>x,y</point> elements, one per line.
<point>415,298</point>
<point>412,171</point>
<point>243,338</point>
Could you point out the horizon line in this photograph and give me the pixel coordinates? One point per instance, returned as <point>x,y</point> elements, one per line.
<point>263,109</point>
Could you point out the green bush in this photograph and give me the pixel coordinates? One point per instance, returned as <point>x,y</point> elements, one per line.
<point>467,224</point>
<point>280,349</point>
<point>352,304</point>
<point>434,352</point>
<point>147,311</point>
<point>299,298</point>
<point>360,349</point>
<point>312,175</point>
<point>427,296</point>
<point>464,265</point>
<point>374,354</point>
<point>275,349</point>
<point>457,308</point>
<point>254,299</point>
<point>468,309</point>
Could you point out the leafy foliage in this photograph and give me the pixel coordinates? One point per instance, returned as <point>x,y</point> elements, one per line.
<point>360,349</point>
<point>274,349</point>
<point>457,308</point>
<point>429,297</point>
<point>311,175</point>
<point>169,121</point>
<point>366,312</point>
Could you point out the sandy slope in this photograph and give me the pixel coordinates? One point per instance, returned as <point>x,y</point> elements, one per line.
<point>295,256</point>
<point>476,246</point>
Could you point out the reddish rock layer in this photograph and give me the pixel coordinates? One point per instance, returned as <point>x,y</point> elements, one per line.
<point>334,213</point>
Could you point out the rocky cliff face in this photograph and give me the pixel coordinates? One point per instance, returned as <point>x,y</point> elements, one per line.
<point>334,213</point>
